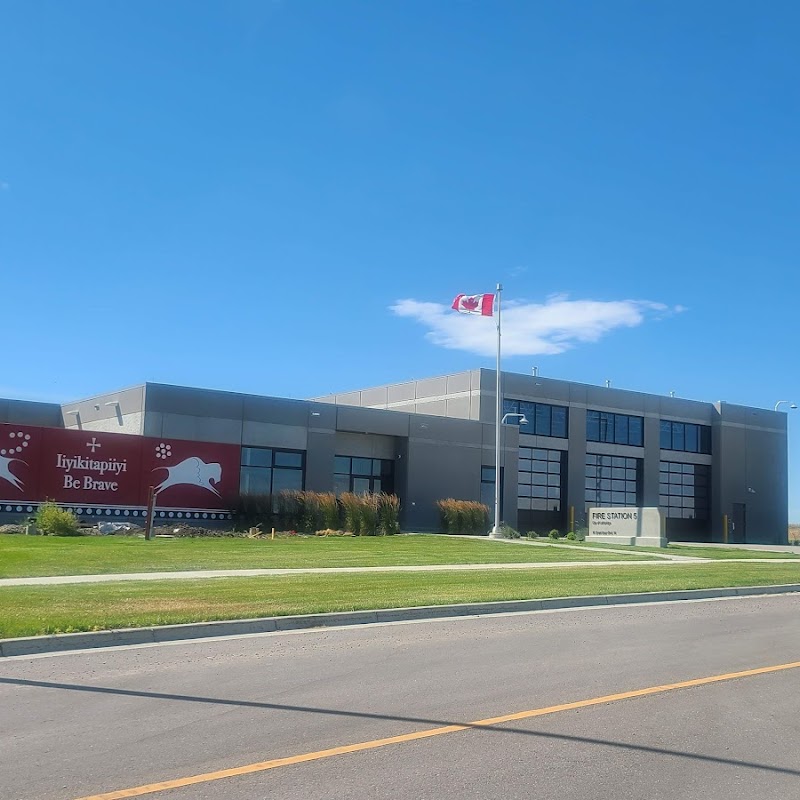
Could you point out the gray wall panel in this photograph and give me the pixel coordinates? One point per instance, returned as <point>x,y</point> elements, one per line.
<point>401,391</point>
<point>267,434</point>
<point>132,424</point>
<point>652,463</point>
<point>443,429</point>
<point>203,429</point>
<point>277,410</point>
<point>194,402</point>
<point>599,397</point>
<point>579,394</point>
<point>431,387</point>
<point>153,424</point>
<point>437,408</point>
<point>319,460</point>
<point>27,412</point>
<point>437,471</point>
<point>750,468</point>
<point>459,382</point>
<point>372,420</point>
<point>375,397</point>
<point>364,445</point>
<point>576,466</point>
<point>115,412</point>
<point>458,407</point>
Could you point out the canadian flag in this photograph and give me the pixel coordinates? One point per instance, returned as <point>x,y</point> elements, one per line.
<point>482,304</point>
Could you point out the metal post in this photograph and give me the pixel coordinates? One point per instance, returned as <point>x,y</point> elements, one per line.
<point>495,534</point>
<point>725,528</point>
<point>151,512</point>
<point>572,519</point>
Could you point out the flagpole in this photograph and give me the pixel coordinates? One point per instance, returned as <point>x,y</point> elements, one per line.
<point>495,534</point>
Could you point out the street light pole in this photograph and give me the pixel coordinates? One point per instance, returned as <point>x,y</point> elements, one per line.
<point>792,405</point>
<point>523,420</point>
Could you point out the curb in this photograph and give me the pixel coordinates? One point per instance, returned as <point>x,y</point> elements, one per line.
<point>65,642</point>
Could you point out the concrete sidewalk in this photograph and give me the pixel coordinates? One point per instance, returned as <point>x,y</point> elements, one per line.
<point>256,573</point>
<point>770,548</point>
<point>202,574</point>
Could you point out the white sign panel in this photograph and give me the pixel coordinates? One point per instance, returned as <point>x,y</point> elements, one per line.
<point>626,526</point>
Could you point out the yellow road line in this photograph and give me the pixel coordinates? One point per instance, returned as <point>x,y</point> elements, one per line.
<point>262,766</point>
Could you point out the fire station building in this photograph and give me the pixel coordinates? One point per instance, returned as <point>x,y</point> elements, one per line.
<point>714,469</point>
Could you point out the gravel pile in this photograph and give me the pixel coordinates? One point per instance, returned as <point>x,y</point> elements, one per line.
<point>193,531</point>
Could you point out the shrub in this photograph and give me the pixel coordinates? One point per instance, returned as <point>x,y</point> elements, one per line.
<point>389,514</point>
<point>310,512</point>
<point>463,516</point>
<point>368,514</point>
<point>450,515</point>
<point>352,516</point>
<point>507,532</point>
<point>329,510</point>
<point>249,510</point>
<point>291,511</point>
<point>553,534</point>
<point>54,521</point>
<point>571,536</point>
<point>531,535</point>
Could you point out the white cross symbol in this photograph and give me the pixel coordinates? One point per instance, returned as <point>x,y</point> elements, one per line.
<point>94,444</point>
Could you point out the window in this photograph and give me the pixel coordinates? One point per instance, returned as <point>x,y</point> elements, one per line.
<point>612,481</point>
<point>269,471</point>
<point>363,475</point>
<point>487,488</point>
<point>684,490</point>
<point>685,436</point>
<point>542,419</point>
<point>603,426</point>
<point>540,479</point>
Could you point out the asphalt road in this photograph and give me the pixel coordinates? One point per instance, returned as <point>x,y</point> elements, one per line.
<point>81,725</point>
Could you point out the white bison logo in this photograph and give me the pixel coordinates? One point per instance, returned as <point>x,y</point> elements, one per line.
<point>7,474</point>
<point>191,472</point>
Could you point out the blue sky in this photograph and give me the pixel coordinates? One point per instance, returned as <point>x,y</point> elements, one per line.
<point>243,195</point>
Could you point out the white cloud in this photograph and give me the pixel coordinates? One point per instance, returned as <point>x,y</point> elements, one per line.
<point>529,329</point>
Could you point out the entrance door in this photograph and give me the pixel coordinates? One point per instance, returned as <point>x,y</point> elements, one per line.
<point>738,532</point>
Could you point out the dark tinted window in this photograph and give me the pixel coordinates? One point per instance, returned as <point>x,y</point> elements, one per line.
<point>363,475</point>
<point>541,419</point>
<point>266,470</point>
<point>604,426</point>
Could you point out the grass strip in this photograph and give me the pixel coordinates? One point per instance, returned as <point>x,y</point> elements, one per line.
<point>28,611</point>
<point>37,556</point>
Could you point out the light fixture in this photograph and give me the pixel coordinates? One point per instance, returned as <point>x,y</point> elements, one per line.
<point>781,402</point>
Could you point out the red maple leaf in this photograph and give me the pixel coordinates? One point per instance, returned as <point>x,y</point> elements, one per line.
<point>470,303</point>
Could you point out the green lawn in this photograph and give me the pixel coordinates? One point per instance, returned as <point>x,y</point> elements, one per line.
<point>32,556</point>
<point>37,610</point>
<point>716,553</point>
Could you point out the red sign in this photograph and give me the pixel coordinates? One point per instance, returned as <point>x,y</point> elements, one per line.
<point>83,467</point>
<point>20,449</point>
<point>189,474</point>
<point>89,468</point>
